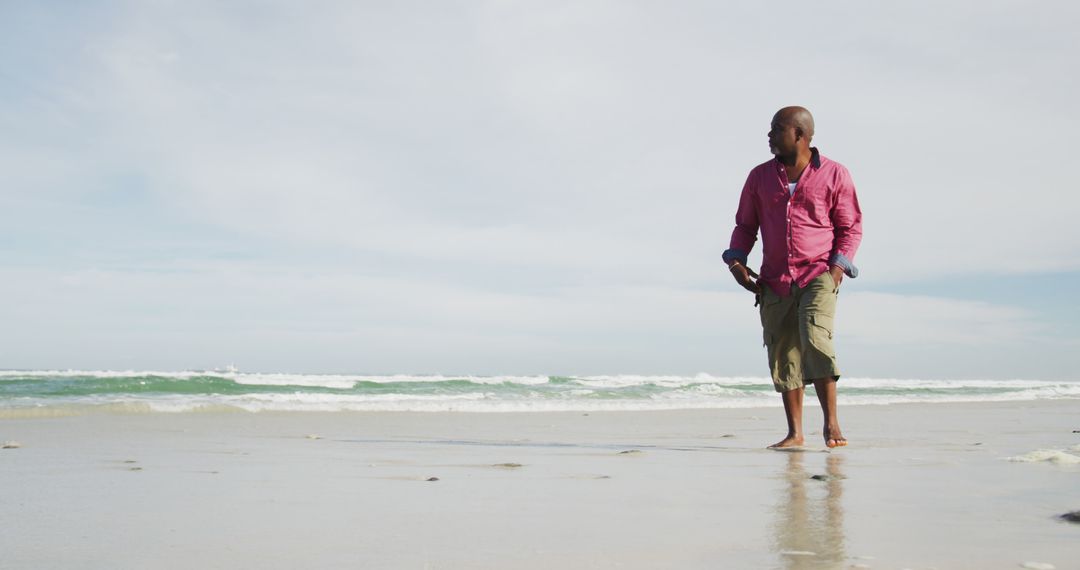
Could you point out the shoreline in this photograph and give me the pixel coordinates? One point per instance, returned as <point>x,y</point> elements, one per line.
<point>920,486</point>
<point>136,408</point>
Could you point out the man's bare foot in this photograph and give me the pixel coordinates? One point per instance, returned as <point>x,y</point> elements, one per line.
<point>789,441</point>
<point>833,437</point>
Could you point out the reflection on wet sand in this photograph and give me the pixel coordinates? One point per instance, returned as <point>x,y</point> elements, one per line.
<point>809,525</point>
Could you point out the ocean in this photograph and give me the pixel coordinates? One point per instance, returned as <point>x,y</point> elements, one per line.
<point>52,392</point>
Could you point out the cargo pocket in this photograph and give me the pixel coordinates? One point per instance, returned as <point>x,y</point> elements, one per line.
<point>767,311</point>
<point>821,333</point>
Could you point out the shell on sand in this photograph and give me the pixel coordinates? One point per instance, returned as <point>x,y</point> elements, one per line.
<point>1073,516</point>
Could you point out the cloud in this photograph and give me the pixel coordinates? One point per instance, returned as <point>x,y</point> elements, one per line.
<point>575,165</point>
<point>923,336</point>
<point>885,319</point>
<point>276,318</point>
<point>281,319</point>
<point>496,131</point>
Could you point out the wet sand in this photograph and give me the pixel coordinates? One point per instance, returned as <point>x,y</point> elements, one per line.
<point>920,486</point>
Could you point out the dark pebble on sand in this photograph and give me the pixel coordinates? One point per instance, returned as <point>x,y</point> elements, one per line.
<point>1073,517</point>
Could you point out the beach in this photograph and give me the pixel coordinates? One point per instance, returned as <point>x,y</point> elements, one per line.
<point>947,485</point>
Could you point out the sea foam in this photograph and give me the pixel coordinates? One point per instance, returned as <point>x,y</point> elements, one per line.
<point>139,391</point>
<point>1056,456</point>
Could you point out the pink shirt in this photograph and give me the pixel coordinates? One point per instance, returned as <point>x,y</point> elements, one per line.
<point>803,234</point>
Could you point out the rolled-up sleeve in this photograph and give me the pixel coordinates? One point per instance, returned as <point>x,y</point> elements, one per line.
<point>746,225</point>
<point>846,219</point>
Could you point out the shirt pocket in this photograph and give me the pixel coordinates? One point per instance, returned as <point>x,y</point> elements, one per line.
<point>816,201</point>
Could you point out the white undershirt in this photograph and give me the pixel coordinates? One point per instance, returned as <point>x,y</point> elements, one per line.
<point>791,188</point>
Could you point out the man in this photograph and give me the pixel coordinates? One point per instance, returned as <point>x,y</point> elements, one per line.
<point>806,208</point>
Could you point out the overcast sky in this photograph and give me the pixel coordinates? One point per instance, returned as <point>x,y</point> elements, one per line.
<point>524,187</point>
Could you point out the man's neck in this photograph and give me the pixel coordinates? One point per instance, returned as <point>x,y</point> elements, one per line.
<point>795,164</point>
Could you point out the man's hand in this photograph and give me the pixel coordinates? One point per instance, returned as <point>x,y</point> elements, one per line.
<point>746,277</point>
<point>837,274</point>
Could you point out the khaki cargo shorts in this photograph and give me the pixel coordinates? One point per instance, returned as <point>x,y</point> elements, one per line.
<point>798,332</point>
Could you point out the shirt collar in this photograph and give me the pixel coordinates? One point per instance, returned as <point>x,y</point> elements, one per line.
<point>815,159</point>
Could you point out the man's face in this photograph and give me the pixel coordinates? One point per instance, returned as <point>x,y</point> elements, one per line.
<point>782,138</point>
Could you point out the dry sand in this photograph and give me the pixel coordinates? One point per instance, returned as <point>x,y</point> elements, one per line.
<point>920,486</point>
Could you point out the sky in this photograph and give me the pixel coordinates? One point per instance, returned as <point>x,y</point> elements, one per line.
<point>501,187</point>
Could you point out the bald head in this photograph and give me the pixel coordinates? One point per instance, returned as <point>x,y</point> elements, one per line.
<point>797,117</point>
<point>790,134</point>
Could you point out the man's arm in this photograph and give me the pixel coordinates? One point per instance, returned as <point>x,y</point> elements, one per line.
<point>847,228</point>
<point>743,238</point>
